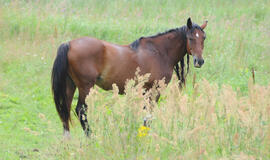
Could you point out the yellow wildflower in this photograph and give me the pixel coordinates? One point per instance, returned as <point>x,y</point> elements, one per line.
<point>143,131</point>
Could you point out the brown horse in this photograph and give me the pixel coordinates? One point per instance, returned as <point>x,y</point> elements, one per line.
<point>87,61</point>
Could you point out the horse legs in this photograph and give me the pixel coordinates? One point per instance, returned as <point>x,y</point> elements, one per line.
<point>81,109</point>
<point>70,89</point>
<point>147,120</point>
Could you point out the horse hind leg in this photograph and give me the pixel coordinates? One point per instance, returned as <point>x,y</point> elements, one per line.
<point>81,109</point>
<point>70,90</point>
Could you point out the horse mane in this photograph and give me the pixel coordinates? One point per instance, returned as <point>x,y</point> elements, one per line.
<point>135,45</point>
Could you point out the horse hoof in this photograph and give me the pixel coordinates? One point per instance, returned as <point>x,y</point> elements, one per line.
<point>147,120</point>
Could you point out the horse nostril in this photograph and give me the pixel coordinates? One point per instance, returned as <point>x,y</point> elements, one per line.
<point>201,62</point>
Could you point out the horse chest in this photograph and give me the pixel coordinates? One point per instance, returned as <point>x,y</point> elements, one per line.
<point>159,69</point>
<point>159,75</point>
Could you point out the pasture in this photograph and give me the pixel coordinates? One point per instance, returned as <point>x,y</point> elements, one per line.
<point>221,114</point>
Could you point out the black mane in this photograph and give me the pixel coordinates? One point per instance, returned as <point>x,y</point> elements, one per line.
<point>134,45</point>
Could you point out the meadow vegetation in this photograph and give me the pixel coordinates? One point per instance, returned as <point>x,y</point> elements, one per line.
<point>220,114</point>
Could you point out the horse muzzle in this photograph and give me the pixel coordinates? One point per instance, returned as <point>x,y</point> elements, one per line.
<point>198,62</point>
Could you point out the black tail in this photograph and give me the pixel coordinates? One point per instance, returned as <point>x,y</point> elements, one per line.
<point>58,80</point>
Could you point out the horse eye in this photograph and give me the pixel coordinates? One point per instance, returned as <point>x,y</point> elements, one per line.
<point>191,39</point>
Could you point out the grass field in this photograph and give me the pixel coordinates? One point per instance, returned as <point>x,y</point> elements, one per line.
<point>225,116</point>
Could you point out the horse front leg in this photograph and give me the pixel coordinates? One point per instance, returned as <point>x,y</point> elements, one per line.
<point>147,120</point>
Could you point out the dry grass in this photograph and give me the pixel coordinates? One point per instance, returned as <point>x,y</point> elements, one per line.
<point>211,123</point>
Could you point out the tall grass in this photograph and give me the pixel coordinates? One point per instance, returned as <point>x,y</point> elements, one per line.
<point>211,123</point>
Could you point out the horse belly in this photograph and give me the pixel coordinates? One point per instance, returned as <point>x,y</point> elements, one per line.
<point>119,78</point>
<point>117,71</point>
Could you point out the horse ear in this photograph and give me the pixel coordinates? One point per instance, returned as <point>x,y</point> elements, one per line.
<point>204,25</point>
<point>189,23</point>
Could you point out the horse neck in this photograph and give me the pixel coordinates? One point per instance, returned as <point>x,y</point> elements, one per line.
<point>173,46</point>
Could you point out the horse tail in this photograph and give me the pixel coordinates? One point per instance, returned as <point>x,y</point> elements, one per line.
<point>58,80</point>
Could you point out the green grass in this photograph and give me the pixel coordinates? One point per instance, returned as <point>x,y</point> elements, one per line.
<point>30,32</point>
